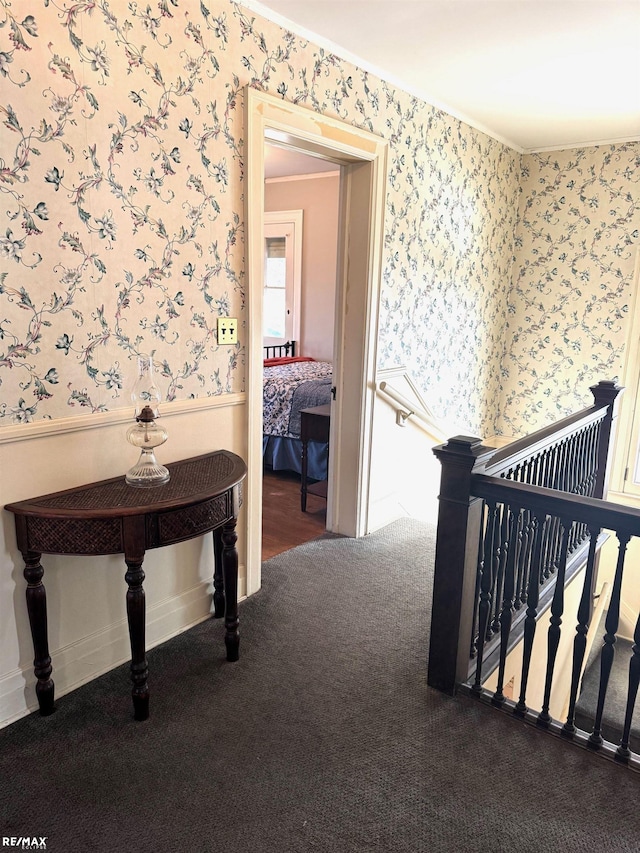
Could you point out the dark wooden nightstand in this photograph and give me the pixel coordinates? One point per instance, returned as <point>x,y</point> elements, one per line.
<point>314,426</point>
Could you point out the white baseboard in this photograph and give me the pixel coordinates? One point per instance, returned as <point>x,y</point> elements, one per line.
<point>91,656</point>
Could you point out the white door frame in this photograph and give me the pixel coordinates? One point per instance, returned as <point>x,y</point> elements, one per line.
<point>363,157</point>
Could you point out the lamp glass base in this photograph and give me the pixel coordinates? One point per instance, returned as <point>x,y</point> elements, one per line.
<point>147,471</point>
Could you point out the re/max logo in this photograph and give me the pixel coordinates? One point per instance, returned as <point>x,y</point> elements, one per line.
<point>23,843</point>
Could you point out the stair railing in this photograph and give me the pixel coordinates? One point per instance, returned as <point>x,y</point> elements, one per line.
<point>514,527</point>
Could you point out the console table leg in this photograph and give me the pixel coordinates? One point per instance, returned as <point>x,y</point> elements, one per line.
<point>37,609</point>
<point>230,574</point>
<point>218,580</point>
<point>136,617</point>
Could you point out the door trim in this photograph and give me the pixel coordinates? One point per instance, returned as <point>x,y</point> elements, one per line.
<point>363,158</point>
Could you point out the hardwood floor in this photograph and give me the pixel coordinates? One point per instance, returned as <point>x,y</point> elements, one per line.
<point>284,525</point>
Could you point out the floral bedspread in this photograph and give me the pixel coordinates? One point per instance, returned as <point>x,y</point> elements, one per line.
<point>289,388</point>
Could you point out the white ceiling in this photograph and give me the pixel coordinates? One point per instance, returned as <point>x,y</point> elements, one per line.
<point>534,73</point>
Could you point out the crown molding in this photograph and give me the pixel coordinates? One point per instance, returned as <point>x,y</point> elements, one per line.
<point>618,141</point>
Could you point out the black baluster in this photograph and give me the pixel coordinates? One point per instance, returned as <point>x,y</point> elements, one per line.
<point>580,641</point>
<point>553,635</point>
<point>473,650</point>
<point>506,613</point>
<point>546,557</point>
<point>476,596</point>
<point>495,556</point>
<point>555,534</point>
<point>539,523</point>
<point>547,459</point>
<point>526,544</point>
<point>565,467</point>
<point>538,469</point>
<point>553,466</point>
<point>584,478</point>
<point>551,529</point>
<point>501,559</point>
<point>588,469</point>
<point>486,585</point>
<point>624,753</point>
<point>594,458</point>
<point>578,451</point>
<point>607,652</point>
<point>520,585</point>
<point>521,555</point>
<point>574,486</point>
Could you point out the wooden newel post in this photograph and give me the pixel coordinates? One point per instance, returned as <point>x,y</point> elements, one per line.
<point>606,393</point>
<point>457,541</point>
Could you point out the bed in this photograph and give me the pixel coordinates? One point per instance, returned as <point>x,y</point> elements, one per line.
<point>292,383</point>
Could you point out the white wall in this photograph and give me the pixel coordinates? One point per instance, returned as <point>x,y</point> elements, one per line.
<point>405,474</point>
<point>88,632</point>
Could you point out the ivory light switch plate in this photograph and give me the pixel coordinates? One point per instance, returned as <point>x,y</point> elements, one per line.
<point>227,330</point>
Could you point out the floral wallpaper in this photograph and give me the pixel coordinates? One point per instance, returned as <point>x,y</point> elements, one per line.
<point>120,172</point>
<point>569,310</point>
<point>450,228</point>
<point>121,224</point>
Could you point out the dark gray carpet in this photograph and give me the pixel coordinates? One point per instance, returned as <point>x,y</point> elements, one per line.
<point>323,737</point>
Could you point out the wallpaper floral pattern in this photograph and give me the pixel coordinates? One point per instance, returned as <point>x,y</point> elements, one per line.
<point>569,310</point>
<point>121,173</point>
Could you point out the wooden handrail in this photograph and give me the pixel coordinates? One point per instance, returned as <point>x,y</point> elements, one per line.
<point>406,409</point>
<point>605,395</point>
<point>530,445</point>
<point>591,511</point>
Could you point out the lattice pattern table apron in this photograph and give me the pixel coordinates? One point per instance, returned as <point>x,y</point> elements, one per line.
<point>111,517</point>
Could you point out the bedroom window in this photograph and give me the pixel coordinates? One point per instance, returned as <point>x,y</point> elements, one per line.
<point>275,279</point>
<point>282,276</point>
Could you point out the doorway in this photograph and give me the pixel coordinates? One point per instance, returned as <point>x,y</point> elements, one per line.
<point>362,158</point>
<point>302,200</point>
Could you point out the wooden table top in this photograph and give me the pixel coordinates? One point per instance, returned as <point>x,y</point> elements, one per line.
<point>192,481</point>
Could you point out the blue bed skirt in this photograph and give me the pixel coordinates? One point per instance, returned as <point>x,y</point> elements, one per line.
<point>284,454</point>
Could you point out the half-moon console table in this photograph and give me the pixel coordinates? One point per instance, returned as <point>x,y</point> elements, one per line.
<point>111,517</point>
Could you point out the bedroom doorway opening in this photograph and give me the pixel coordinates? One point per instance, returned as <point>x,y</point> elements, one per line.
<point>361,157</point>
<point>301,218</point>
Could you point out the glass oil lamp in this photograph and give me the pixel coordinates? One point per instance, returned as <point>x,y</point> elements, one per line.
<point>146,433</point>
